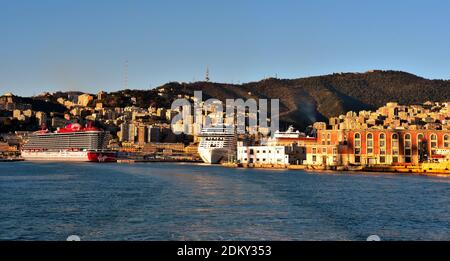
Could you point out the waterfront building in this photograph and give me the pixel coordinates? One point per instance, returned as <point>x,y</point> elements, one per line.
<point>377,146</point>
<point>162,147</point>
<point>393,134</point>
<point>284,148</point>
<point>273,154</point>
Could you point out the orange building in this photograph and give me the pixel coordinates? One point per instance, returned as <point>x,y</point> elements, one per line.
<point>377,146</point>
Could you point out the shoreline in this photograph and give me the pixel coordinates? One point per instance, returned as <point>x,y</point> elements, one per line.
<point>412,170</point>
<point>415,170</point>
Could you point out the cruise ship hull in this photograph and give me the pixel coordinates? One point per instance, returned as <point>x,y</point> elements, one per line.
<point>214,155</point>
<point>75,156</point>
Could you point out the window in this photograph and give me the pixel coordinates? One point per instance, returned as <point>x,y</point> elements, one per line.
<point>382,145</point>
<point>324,150</point>
<point>369,143</point>
<point>446,141</point>
<point>314,150</point>
<point>357,140</point>
<point>422,149</point>
<point>420,141</point>
<point>335,151</point>
<point>433,140</point>
<point>395,148</point>
<point>314,158</point>
<point>357,147</point>
<point>407,140</point>
<point>408,150</point>
<point>394,144</point>
<point>433,143</point>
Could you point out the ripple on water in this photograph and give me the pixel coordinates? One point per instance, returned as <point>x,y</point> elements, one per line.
<point>164,201</point>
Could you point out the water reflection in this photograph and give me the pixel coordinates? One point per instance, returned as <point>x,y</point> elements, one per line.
<point>50,201</point>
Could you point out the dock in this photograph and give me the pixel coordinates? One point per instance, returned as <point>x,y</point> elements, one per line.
<point>437,169</point>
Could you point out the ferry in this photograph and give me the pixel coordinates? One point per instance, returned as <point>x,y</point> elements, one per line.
<point>71,143</point>
<point>289,133</point>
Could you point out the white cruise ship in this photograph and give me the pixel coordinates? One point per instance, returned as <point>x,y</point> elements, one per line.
<point>290,133</point>
<point>217,144</point>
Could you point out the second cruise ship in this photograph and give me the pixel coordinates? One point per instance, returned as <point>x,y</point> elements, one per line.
<point>217,144</point>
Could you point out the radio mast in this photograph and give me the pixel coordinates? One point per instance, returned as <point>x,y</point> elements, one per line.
<point>207,75</point>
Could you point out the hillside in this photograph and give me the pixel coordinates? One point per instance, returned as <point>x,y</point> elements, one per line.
<point>306,100</point>
<point>302,101</point>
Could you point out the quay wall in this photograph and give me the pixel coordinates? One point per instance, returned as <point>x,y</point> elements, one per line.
<point>424,168</point>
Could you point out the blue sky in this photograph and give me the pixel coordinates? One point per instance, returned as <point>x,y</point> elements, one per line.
<point>50,45</point>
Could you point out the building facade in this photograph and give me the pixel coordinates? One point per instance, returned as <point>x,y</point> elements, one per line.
<point>270,154</point>
<point>377,146</point>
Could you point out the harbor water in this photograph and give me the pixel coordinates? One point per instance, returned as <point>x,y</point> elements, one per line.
<point>173,201</point>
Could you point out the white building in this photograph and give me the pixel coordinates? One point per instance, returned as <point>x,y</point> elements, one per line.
<point>280,155</point>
